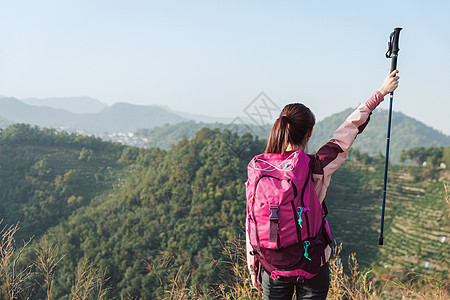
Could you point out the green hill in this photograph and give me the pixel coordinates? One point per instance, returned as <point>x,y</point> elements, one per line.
<point>416,220</point>
<point>406,133</point>
<point>156,215</point>
<point>170,134</point>
<point>46,175</point>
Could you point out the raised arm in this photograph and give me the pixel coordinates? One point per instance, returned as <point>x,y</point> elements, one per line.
<point>333,153</point>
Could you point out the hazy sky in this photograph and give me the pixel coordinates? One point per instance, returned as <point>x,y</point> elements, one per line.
<point>215,57</point>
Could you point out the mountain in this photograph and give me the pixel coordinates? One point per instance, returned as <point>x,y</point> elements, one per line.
<point>120,117</point>
<point>198,117</point>
<point>78,105</point>
<point>406,133</point>
<point>18,112</point>
<point>163,127</point>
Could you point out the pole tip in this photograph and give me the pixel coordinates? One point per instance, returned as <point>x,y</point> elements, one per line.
<point>380,240</point>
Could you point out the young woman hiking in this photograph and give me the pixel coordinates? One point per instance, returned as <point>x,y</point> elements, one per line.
<point>285,147</point>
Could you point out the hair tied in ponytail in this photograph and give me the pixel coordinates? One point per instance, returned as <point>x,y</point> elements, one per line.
<point>286,118</point>
<point>291,128</point>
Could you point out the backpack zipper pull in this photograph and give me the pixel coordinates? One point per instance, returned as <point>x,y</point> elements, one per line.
<point>300,220</point>
<point>307,243</point>
<point>302,209</point>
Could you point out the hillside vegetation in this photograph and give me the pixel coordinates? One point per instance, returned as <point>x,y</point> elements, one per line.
<point>417,226</point>
<point>153,221</point>
<point>166,136</point>
<point>406,133</point>
<point>46,175</point>
<point>164,128</point>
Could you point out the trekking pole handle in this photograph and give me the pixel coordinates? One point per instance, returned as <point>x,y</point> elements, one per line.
<point>394,63</point>
<point>393,47</point>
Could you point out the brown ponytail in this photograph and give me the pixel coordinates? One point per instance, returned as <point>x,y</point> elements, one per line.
<point>295,122</point>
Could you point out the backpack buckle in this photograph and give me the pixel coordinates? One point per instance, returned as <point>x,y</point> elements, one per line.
<point>273,217</point>
<point>274,213</point>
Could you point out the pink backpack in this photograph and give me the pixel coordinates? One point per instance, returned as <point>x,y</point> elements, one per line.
<point>286,222</point>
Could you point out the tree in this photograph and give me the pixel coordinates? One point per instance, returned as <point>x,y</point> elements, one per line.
<point>86,154</point>
<point>446,156</point>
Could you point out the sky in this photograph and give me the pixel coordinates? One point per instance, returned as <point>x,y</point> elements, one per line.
<point>214,57</point>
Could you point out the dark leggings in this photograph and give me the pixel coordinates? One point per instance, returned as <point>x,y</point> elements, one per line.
<point>314,288</point>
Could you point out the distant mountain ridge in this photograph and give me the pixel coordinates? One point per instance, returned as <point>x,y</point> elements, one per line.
<point>197,117</point>
<point>78,105</point>
<point>119,117</point>
<point>72,113</point>
<point>164,127</point>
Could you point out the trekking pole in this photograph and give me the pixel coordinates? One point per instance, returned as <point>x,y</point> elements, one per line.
<point>393,54</point>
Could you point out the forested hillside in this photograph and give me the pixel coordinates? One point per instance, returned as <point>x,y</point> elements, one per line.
<point>46,175</point>
<point>148,216</point>
<point>168,135</point>
<point>406,133</point>
<point>185,202</point>
<point>164,128</point>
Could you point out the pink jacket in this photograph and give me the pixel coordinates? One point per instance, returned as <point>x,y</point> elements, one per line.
<point>331,155</point>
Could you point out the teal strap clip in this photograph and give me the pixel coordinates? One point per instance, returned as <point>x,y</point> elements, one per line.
<point>307,243</point>
<point>300,220</point>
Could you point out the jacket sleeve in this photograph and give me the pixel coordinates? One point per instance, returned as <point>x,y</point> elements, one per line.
<point>331,155</point>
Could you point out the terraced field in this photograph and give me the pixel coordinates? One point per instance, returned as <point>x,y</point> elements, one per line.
<point>354,211</point>
<point>417,228</point>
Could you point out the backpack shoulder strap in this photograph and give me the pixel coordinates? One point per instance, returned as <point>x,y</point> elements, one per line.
<point>312,160</point>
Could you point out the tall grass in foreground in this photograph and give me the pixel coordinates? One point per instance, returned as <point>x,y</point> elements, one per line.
<point>354,284</point>
<point>23,280</point>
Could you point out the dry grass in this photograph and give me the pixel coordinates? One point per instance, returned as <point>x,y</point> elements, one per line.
<point>356,286</point>
<point>18,280</point>
<point>47,258</point>
<point>178,286</point>
<point>424,287</point>
<point>336,275</point>
<point>89,282</point>
<point>447,198</point>
<point>179,290</point>
<point>238,283</point>
<point>14,277</point>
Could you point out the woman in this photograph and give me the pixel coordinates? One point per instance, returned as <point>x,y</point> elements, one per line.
<point>291,132</point>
